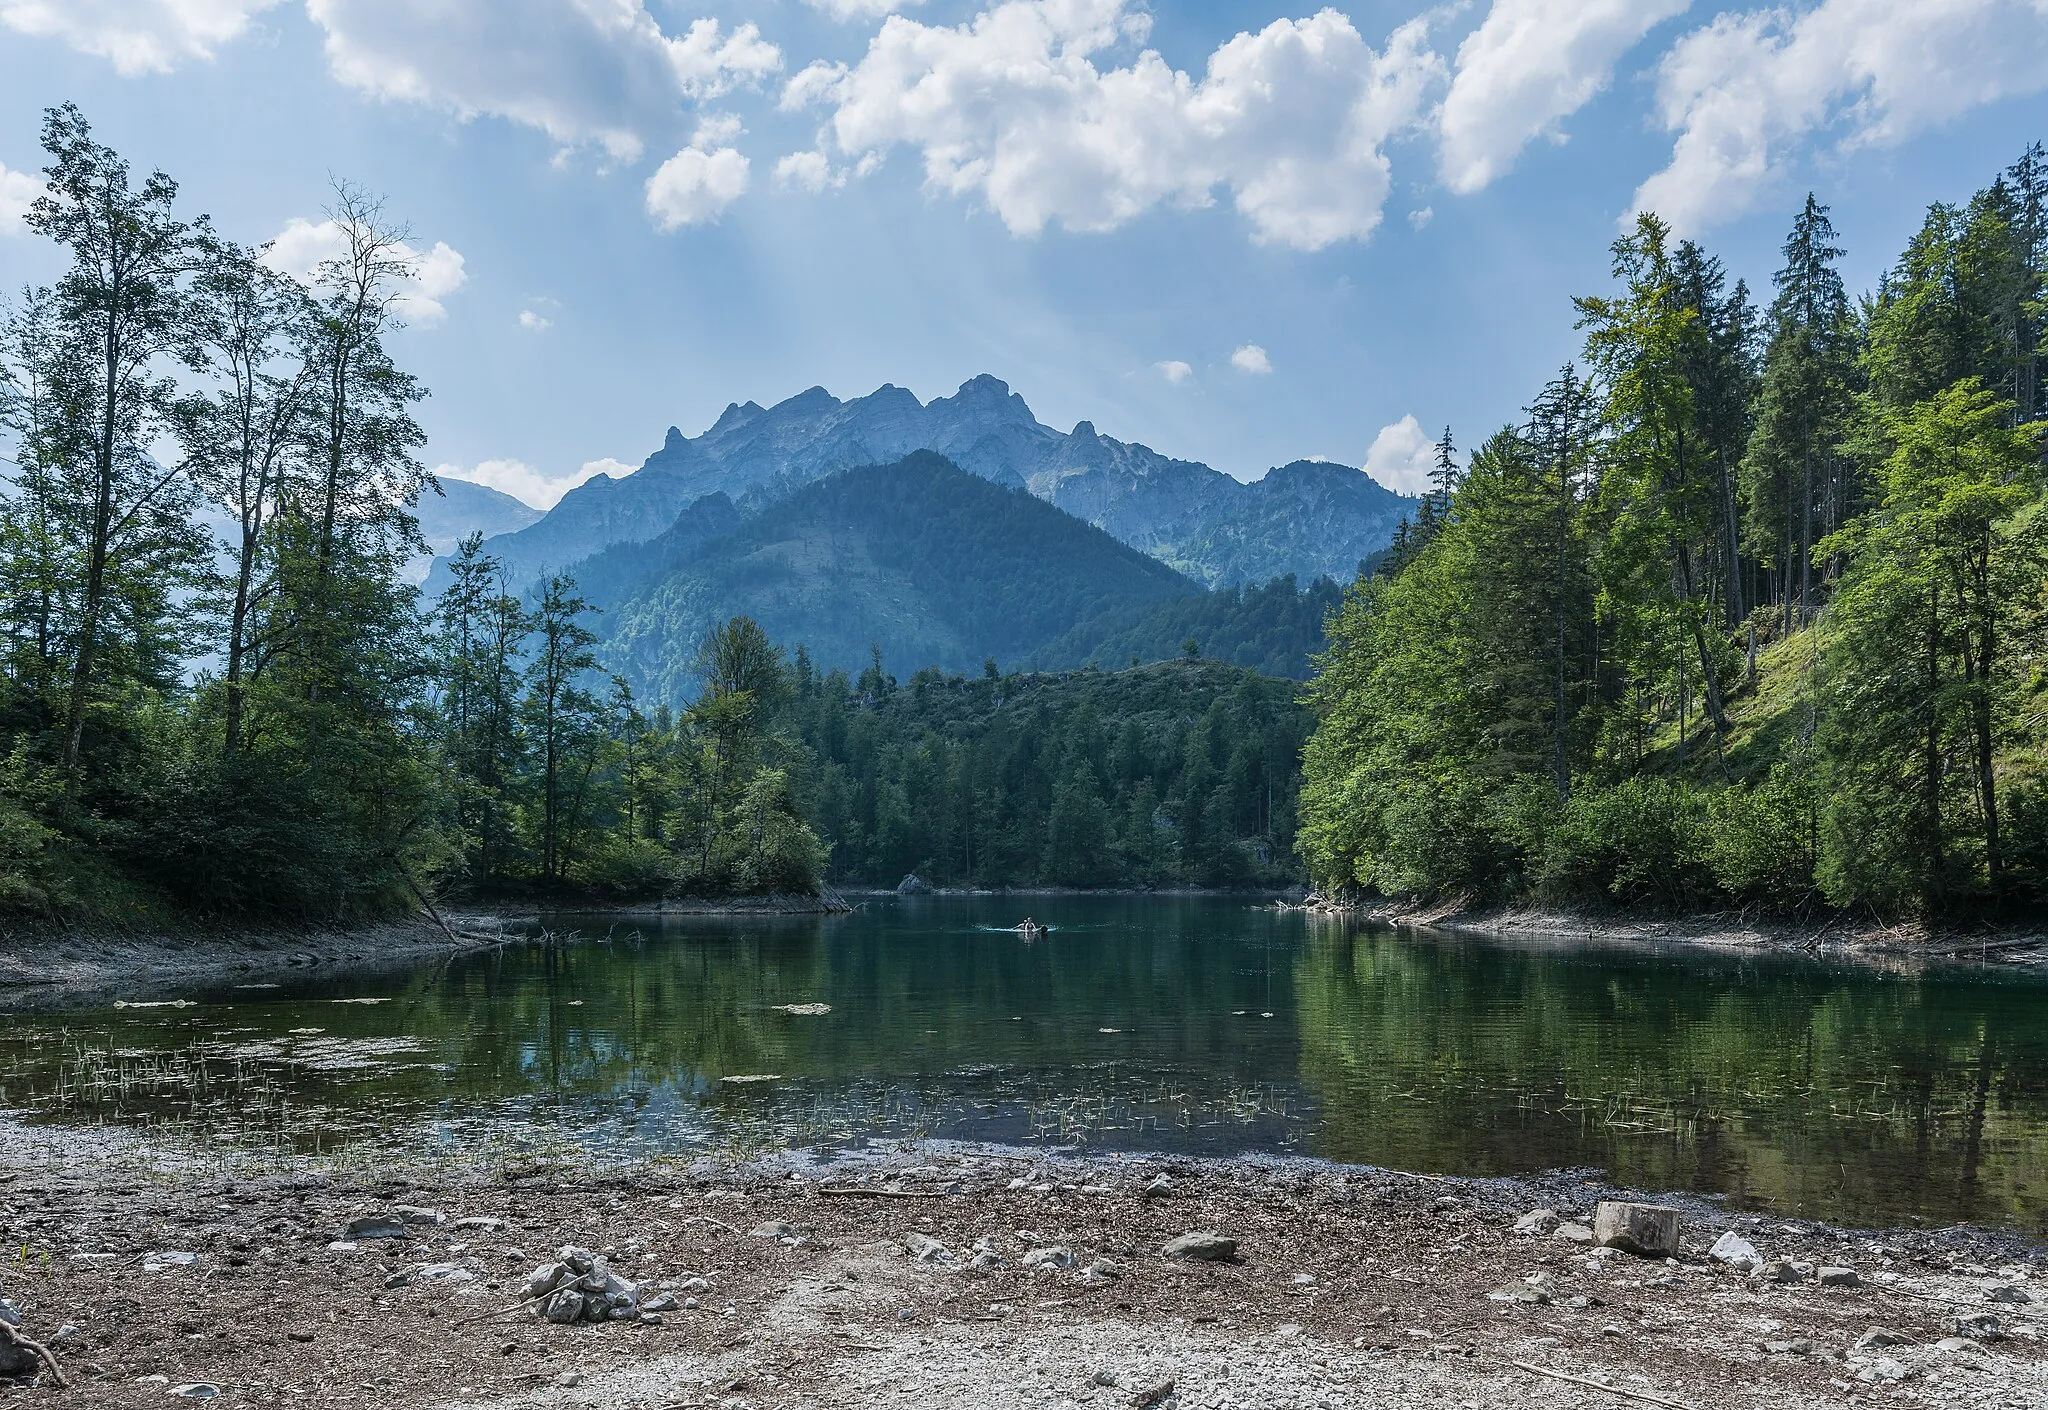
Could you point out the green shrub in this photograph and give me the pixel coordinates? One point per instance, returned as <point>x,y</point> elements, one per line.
<point>1760,842</point>
<point>1640,842</point>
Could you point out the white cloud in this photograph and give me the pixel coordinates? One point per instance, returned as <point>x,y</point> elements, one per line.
<point>301,247</point>
<point>1175,371</point>
<point>582,71</point>
<point>1011,108</point>
<point>1402,457</point>
<point>860,9</point>
<point>812,171</point>
<point>18,191</point>
<point>533,322</point>
<point>1530,65</point>
<point>136,36</point>
<point>1745,92</point>
<point>522,481</point>
<point>1252,358</point>
<point>699,182</point>
<point>1420,219</point>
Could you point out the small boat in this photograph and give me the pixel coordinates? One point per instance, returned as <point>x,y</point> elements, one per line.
<point>1031,929</point>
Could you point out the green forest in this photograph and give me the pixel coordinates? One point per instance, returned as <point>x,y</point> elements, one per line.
<point>1749,611</point>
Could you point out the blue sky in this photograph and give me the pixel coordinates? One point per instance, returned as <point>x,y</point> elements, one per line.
<point>1240,233</point>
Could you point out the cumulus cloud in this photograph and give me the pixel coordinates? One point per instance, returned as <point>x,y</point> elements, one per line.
<point>136,36</point>
<point>1530,65</point>
<point>1746,92</point>
<point>1402,457</point>
<point>523,482</point>
<point>811,171</point>
<point>533,322</point>
<point>302,247</point>
<point>582,71</point>
<point>699,182</point>
<point>1420,219</point>
<point>18,191</point>
<point>1175,371</point>
<point>1252,358</point>
<point>1012,108</point>
<point>860,9</point>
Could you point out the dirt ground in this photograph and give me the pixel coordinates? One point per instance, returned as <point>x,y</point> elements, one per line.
<point>1352,1288</point>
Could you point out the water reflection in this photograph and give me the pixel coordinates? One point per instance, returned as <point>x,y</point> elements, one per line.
<point>1192,1024</point>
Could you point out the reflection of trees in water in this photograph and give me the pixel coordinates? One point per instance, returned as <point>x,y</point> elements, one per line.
<point>1785,1084</point>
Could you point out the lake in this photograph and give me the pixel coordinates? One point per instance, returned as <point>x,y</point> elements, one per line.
<point>1182,1024</point>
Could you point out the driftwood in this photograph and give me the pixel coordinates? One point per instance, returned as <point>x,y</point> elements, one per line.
<point>13,1337</point>
<point>1642,1395</point>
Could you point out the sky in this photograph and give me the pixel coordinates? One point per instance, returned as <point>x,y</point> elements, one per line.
<point>1243,233</point>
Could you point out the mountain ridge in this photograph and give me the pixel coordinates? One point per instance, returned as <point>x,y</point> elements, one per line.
<point>1206,524</point>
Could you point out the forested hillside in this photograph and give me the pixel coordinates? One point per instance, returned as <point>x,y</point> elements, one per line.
<point>1181,773</point>
<point>1748,611</point>
<point>1273,630</point>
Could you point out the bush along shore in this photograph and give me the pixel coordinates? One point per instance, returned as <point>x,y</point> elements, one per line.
<point>987,1277</point>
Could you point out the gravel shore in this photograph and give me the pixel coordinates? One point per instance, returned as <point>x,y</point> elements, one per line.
<point>899,1276</point>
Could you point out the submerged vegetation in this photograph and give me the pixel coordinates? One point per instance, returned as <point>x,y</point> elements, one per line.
<point>1751,611</point>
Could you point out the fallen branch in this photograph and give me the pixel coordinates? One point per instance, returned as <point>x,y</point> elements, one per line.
<point>1597,1385</point>
<point>880,1194</point>
<point>518,1306</point>
<point>14,1338</point>
<point>714,1223</point>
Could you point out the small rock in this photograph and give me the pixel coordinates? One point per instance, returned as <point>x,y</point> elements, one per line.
<point>1206,1245</point>
<point>1839,1278</point>
<point>1801,1347</point>
<point>1104,1377</point>
<point>1520,1292</point>
<point>1877,1338</point>
<point>1781,1270</point>
<point>1882,1369</point>
<point>1538,1222</point>
<point>1444,1204</point>
<point>1152,1394</point>
<point>926,1249</point>
<point>1102,1270</point>
<point>570,1379</point>
<point>196,1390</point>
<point>480,1222</point>
<point>1978,1326</point>
<point>773,1229</point>
<point>1580,1302</point>
<point>1049,1258</point>
<point>1954,1344</point>
<point>398,1280</point>
<point>2008,1293</point>
<point>388,1225</point>
<point>445,1272</point>
<point>413,1214</point>
<point>152,1262</point>
<point>1646,1230</point>
<point>1158,1187</point>
<point>696,1285</point>
<point>661,1302</point>
<point>1573,1232</point>
<point>1734,1251</point>
<point>562,1306</point>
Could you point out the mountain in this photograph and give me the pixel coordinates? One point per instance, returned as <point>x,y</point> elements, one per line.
<point>931,564</point>
<point>463,508</point>
<point>1311,519</point>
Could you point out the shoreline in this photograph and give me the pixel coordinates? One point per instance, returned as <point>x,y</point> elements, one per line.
<point>1837,936</point>
<point>900,1273</point>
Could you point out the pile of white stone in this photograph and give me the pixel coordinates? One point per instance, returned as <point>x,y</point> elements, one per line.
<point>580,1286</point>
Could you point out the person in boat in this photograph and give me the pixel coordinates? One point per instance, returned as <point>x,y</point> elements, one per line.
<point>1029,927</point>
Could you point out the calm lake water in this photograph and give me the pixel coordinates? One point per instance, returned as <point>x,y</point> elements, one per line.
<point>1176,1024</point>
